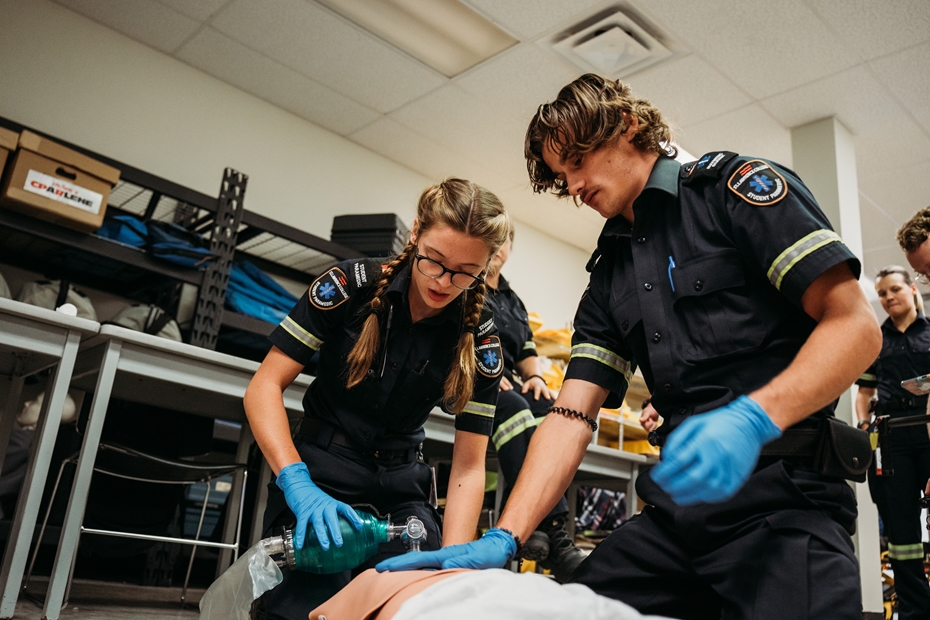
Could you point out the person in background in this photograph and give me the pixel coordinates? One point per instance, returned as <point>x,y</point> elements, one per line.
<point>905,354</point>
<point>394,340</point>
<point>724,282</point>
<point>520,408</point>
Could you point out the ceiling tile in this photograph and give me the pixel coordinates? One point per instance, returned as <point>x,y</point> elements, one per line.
<point>223,58</point>
<point>436,162</point>
<point>527,19</point>
<point>764,47</point>
<point>854,96</point>
<point>467,126</point>
<point>689,91</point>
<point>901,194</point>
<point>147,21</point>
<point>200,10</point>
<point>749,131</point>
<point>871,29</point>
<point>517,81</point>
<point>907,76</point>
<point>895,142</point>
<point>317,43</point>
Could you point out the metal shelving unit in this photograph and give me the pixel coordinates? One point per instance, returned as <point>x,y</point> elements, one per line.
<point>232,231</point>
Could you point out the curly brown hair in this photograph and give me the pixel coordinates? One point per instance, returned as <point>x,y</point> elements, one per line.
<point>587,114</point>
<point>915,231</point>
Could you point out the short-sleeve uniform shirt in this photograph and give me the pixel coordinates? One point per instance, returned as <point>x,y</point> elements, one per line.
<point>513,325</point>
<point>388,408</point>
<point>703,291</point>
<point>904,355</point>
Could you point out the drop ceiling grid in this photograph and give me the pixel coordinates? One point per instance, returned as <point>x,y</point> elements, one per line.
<point>902,199</point>
<point>689,91</point>
<point>517,81</point>
<point>749,130</point>
<point>147,21</point>
<point>315,42</point>
<point>907,76</point>
<point>871,29</point>
<point>427,157</point>
<point>216,54</point>
<point>201,10</point>
<point>452,117</point>
<point>527,19</point>
<point>764,47</point>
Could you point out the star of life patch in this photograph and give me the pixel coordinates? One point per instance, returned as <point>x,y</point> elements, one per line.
<point>489,358</point>
<point>329,290</point>
<point>758,183</point>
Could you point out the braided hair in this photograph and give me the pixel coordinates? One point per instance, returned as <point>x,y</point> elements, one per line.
<point>467,208</point>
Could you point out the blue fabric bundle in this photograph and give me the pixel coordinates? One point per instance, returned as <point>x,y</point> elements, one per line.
<point>252,292</point>
<point>125,229</point>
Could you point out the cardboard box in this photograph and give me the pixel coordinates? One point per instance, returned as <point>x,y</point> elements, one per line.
<point>8,141</point>
<point>52,182</point>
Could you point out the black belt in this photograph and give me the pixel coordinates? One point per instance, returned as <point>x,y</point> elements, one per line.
<point>324,434</point>
<point>901,404</point>
<point>794,442</point>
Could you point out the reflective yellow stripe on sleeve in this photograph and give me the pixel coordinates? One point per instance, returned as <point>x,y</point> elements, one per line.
<point>481,409</point>
<point>797,251</point>
<point>906,552</point>
<point>604,356</point>
<point>867,376</point>
<point>302,335</point>
<point>521,422</point>
<point>529,344</point>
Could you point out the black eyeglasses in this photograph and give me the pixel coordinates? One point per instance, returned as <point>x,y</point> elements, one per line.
<point>431,269</point>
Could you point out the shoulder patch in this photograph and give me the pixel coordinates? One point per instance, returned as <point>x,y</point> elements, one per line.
<point>329,290</point>
<point>484,328</point>
<point>489,357</point>
<point>709,166</point>
<point>758,183</point>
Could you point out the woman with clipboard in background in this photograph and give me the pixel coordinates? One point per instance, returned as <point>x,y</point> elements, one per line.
<point>905,354</point>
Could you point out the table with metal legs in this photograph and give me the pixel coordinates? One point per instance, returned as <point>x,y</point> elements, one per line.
<point>32,340</point>
<point>129,365</point>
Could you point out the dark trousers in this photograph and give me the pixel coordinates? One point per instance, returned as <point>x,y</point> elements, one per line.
<point>897,500</point>
<point>780,548</point>
<point>396,487</point>
<point>515,421</point>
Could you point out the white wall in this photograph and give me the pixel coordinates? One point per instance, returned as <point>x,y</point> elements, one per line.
<point>73,78</point>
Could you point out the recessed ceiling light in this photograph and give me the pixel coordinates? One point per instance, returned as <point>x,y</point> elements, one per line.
<point>445,34</point>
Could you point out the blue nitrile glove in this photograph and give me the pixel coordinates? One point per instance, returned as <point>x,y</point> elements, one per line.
<point>310,503</point>
<point>493,550</point>
<point>710,456</point>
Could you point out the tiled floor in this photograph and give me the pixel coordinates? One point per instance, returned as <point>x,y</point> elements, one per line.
<point>97,600</point>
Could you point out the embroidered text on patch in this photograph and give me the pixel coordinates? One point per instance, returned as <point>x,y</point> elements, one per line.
<point>489,358</point>
<point>329,290</point>
<point>758,183</point>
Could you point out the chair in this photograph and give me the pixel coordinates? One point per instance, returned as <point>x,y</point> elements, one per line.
<point>122,462</point>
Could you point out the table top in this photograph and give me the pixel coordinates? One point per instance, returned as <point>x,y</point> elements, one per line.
<point>13,308</point>
<point>176,375</point>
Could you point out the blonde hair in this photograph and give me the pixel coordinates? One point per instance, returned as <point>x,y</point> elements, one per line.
<point>467,208</point>
<point>587,114</point>
<point>904,273</point>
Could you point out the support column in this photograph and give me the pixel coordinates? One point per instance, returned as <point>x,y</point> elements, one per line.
<point>825,160</point>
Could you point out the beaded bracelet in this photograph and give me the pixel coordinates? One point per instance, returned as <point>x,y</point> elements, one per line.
<point>574,414</point>
<point>516,540</point>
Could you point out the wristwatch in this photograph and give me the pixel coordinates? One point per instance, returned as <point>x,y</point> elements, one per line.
<point>864,425</point>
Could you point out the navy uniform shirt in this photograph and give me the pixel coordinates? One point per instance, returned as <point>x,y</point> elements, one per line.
<point>703,291</point>
<point>512,323</point>
<point>904,355</point>
<point>388,408</point>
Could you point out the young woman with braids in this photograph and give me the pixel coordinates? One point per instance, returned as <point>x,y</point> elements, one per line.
<point>393,341</point>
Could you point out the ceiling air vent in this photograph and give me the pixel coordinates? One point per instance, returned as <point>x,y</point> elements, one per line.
<point>612,44</point>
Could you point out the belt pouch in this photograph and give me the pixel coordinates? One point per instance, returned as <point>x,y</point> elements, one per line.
<point>844,451</point>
